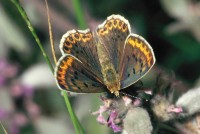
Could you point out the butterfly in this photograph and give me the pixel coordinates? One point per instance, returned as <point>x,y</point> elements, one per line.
<point>108,59</point>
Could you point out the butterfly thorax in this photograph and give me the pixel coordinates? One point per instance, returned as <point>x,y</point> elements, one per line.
<point>110,77</point>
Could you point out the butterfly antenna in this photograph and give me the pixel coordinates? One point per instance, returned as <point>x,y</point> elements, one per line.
<point>50,33</point>
<point>131,96</point>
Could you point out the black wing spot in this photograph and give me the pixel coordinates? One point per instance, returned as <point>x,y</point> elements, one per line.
<point>82,51</point>
<point>142,64</point>
<point>133,70</point>
<point>93,85</point>
<point>67,43</point>
<point>82,71</point>
<point>84,36</point>
<point>86,85</point>
<point>124,26</point>
<point>75,72</point>
<point>120,23</point>
<point>70,38</point>
<point>128,58</point>
<point>140,60</point>
<point>66,48</point>
<point>72,80</point>
<point>140,71</point>
<point>74,83</point>
<point>76,36</point>
<point>76,77</point>
<point>115,22</point>
<point>128,75</point>
<point>136,60</point>
<point>62,86</point>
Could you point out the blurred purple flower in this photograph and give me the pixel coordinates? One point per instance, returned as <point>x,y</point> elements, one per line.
<point>20,119</point>
<point>3,113</point>
<point>17,90</point>
<point>14,129</point>
<point>32,108</point>
<point>7,71</point>
<point>2,80</point>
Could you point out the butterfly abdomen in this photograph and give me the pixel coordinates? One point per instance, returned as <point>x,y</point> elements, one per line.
<point>110,77</point>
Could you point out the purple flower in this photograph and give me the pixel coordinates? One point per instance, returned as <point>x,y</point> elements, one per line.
<point>111,124</point>
<point>101,119</point>
<point>112,114</point>
<point>174,109</point>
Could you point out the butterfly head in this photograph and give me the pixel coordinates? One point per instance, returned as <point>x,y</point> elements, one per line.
<point>114,88</point>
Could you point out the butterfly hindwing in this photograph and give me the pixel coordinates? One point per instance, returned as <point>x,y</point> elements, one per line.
<point>73,75</point>
<point>82,45</point>
<point>138,59</point>
<point>112,33</point>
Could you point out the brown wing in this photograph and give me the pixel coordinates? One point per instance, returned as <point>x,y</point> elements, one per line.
<point>82,45</point>
<point>138,59</point>
<point>113,33</point>
<point>74,76</point>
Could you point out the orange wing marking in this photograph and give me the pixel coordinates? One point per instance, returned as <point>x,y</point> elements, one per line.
<point>142,48</point>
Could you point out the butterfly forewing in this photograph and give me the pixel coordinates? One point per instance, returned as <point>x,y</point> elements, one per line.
<point>113,33</point>
<point>138,59</point>
<point>74,76</point>
<point>82,45</point>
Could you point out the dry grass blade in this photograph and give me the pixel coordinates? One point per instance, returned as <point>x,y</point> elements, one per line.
<point>50,34</point>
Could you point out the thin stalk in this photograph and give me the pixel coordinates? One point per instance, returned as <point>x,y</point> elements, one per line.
<point>78,127</point>
<point>79,14</point>
<point>50,34</point>
<point>26,19</point>
<point>3,128</point>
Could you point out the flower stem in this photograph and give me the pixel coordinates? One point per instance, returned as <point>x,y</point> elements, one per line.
<point>78,127</point>
<point>26,19</point>
<point>3,128</point>
<point>75,121</point>
<point>79,14</point>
